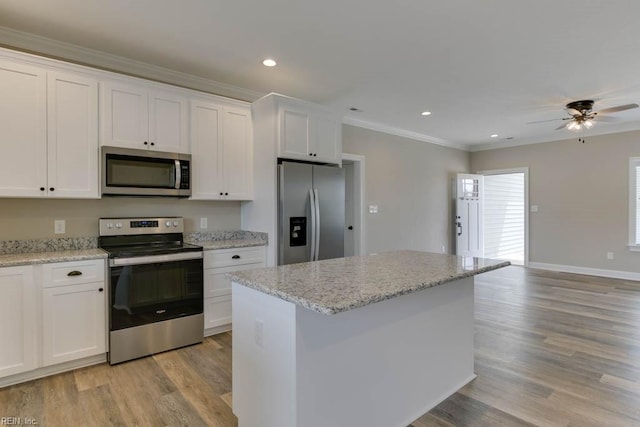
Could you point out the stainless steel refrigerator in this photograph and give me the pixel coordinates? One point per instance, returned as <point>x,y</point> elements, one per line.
<point>311,216</point>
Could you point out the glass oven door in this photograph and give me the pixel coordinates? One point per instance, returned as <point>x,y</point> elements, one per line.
<point>154,288</point>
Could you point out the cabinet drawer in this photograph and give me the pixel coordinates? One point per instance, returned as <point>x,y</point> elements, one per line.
<point>231,257</point>
<point>72,273</point>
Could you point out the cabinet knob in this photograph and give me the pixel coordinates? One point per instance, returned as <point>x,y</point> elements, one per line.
<point>350,227</point>
<point>74,273</point>
<point>145,143</point>
<point>41,188</point>
<point>100,289</point>
<point>311,154</point>
<point>221,193</point>
<point>315,154</point>
<point>51,188</point>
<point>235,257</point>
<point>226,194</point>
<point>153,143</point>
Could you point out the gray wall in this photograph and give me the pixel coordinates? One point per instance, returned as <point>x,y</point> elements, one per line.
<point>410,181</point>
<point>582,194</point>
<point>33,218</point>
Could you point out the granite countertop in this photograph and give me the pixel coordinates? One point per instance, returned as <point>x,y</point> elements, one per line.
<point>9,260</point>
<point>342,284</point>
<point>42,251</point>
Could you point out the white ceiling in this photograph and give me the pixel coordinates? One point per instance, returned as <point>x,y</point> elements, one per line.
<point>481,67</point>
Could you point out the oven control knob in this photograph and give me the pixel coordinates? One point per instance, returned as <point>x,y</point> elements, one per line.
<point>168,223</point>
<point>109,225</point>
<point>175,223</point>
<point>118,225</point>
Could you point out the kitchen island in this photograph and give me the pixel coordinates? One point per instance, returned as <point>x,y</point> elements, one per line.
<point>376,340</point>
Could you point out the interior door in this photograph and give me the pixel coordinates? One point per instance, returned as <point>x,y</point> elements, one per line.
<point>469,214</point>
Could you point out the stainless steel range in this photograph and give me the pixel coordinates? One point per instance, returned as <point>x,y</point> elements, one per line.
<point>155,286</point>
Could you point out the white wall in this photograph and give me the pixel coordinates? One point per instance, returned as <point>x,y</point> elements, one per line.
<point>410,181</point>
<point>582,194</point>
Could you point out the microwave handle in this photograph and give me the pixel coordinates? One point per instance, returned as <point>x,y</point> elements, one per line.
<point>178,174</point>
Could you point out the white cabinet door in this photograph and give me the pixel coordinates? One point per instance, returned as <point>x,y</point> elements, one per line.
<point>18,320</point>
<point>23,120</point>
<point>308,132</point>
<point>168,122</point>
<point>217,311</point>
<point>237,158</point>
<point>206,137</point>
<point>222,152</point>
<point>327,139</point>
<point>125,116</point>
<point>295,133</point>
<point>74,322</point>
<point>72,130</point>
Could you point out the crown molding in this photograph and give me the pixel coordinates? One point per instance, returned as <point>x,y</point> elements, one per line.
<point>66,51</point>
<point>402,132</point>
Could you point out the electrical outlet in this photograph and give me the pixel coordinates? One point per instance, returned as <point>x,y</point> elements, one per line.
<point>444,249</point>
<point>609,255</point>
<point>373,209</point>
<point>534,208</point>
<point>203,223</point>
<point>259,333</point>
<point>59,226</point>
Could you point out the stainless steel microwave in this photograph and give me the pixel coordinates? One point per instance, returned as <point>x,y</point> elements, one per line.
<point>130,172</point>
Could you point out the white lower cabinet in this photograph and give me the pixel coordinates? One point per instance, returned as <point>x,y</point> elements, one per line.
<point>217,288</point>
<point>73,310</point>
<point>51,314</point>
<point>18,320</point>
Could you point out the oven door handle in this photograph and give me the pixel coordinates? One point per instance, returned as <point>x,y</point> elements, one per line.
<point>154,259</point>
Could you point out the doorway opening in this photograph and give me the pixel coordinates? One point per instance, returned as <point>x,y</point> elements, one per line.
<point>505,219</point>
<point>354,235</point>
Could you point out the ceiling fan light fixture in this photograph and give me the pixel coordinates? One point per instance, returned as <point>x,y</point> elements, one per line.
<point>588,123</point>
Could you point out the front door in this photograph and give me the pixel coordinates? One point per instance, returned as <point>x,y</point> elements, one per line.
<point>468,220</point>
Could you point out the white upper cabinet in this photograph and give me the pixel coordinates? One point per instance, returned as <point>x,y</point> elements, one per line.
<point>222,151</point>
<point>23,129</point>
<point>308,131</point>
<point>139,117</point>
<point>72,136</point>
<point>48,126</point>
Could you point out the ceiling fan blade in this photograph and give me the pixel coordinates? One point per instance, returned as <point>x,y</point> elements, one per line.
<point>561,127</point>
<point>542,121</point>
<point>573,112</point>
<point>607,119</point>
<point>618,108</point>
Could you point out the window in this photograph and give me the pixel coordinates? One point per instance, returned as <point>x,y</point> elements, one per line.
<point>634,203</point>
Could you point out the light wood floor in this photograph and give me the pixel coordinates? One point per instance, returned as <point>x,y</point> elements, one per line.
<point>552,349</point>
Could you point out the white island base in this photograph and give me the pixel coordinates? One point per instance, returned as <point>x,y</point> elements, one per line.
<point>384,364</point>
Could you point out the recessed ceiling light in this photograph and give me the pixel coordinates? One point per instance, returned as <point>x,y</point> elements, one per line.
<point>495,135</point>
<point>426,113</point>
<point>269,62</point>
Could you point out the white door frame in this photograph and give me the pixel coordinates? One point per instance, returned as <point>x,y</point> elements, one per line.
<point>359,247</point>
<point>524,170</point>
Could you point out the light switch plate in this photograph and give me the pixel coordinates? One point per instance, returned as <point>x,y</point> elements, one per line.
<point>373,209</point>
<point>203,223</point>
<point>534,208</point>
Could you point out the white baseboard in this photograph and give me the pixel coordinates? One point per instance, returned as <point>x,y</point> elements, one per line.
<point>614,274</point>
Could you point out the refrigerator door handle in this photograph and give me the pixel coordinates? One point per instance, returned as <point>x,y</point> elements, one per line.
<point>312,201</point>
<point>317,223</point>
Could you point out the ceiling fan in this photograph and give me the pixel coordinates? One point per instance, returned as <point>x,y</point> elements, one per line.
<point>581,115</point>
